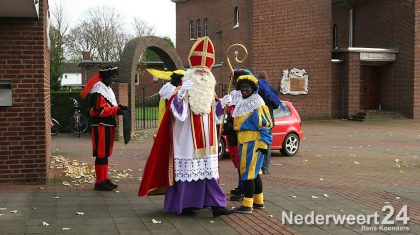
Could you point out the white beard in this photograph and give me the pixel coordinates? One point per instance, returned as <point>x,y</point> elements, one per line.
<point>201,94</point>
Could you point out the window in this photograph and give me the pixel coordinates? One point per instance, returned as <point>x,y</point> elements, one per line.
<point>335,45</point>
<point>206,27</point>
<point>198,23</point>
<point>236,18</point>
<point>192,36</point>
<point>279,112</point>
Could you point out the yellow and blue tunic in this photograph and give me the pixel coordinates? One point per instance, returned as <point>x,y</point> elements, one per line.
<point>252,122</point>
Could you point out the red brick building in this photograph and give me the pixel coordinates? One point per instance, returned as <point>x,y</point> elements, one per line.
<point>358,54</point>
<point>25,142</point>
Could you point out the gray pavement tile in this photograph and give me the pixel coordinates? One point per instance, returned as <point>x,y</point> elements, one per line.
<point>163,225</point>
<point>138,226</point>
<point>127,220</point>
<point>164,232</point>
<point>194,231</point>
<point>13,229</point>
<point>102,229</point>
<point>12,220</point>
<point>70,221</point>
<point>129,232</point>
<point>40,229</point>
<point>44,216</point>
<point>47,203</point>
<point>150,212</point>
<point>123,212</point>
<point>97,214</point>
<point>95,221</point>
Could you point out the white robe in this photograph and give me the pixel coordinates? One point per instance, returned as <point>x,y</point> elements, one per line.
<point>189,167</point>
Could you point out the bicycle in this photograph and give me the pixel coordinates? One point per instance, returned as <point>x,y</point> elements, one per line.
<point>78,123</point>
<point>55,127</point>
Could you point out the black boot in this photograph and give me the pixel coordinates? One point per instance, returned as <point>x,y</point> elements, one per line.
<point>188,212</point>
<point>218,211</point>
<point>109,182</point>
<point>103,186</point>
<point>236,197</point>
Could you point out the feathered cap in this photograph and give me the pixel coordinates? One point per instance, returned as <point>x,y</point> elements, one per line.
<point>165,75</point>
<point>109,72</point>
<point>202,53</point>
<point>246,75</point>
<point>103,74</point>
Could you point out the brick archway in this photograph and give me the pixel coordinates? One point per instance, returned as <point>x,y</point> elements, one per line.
<point>125,92</point>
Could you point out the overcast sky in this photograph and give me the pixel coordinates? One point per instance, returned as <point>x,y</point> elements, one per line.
<point>158,13</point>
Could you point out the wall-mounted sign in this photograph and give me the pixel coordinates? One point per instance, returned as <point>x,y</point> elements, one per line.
<point>294,82</point>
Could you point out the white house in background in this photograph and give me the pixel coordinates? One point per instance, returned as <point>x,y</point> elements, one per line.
<point>72,76</point>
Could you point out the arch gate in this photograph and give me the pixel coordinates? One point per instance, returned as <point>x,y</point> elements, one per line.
<point>125,92</point>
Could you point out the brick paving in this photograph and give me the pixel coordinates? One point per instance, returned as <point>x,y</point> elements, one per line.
<point>360,167</point>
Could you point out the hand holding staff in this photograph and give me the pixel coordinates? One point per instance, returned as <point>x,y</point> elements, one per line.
<point>231,77</point>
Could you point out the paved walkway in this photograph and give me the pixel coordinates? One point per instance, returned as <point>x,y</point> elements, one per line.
<point>342,168</point>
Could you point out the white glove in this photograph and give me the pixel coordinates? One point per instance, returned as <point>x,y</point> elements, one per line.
<point>226,100</point>
<point>185,87</point>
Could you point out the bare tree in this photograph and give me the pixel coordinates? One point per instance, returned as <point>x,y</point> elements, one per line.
<point>142,28</point>
<point>101,33</point>
<point>57,33</point>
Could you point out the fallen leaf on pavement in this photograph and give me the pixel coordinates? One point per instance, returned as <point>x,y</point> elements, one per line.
<point>156,221</point>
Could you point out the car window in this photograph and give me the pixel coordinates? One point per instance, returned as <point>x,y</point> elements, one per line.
<point>279,112</point>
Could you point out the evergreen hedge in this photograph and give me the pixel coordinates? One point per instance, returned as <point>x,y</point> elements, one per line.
<point>62,107</point>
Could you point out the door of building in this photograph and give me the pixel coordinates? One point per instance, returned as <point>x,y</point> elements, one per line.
<point>370,87</point>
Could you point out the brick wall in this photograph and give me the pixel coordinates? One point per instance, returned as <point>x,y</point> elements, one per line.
<point>340,17</point>
<point>122,90</point>
<point>416,97</point>
<point>287,34</point>
<point>295,34</point>
<point>352,83</point>
<point>390,24</point>
<point>220,15</point>
<point>25,140</point>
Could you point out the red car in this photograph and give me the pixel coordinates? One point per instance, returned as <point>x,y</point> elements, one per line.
<point>287,132</point>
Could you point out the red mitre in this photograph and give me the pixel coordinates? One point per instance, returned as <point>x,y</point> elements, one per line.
<point>202,53</point>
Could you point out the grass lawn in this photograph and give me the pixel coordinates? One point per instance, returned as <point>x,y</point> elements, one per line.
<point>151,113</point>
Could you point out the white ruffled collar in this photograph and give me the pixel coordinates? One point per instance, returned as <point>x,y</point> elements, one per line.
<point>105,91</point>
<point>236,97</point>
<point>247,105</point>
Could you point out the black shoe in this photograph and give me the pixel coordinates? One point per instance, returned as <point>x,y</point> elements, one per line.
<point>188,212</point>
<point>258,206</point>
<point>265,172</point>
<point>109,182</point>
<point>237,197</point>
<point>235,191</point>
<point>244,210</point>
<point>103,187</point>
<point>218,211</point>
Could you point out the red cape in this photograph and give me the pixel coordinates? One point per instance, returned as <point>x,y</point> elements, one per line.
<point>158,173</point>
